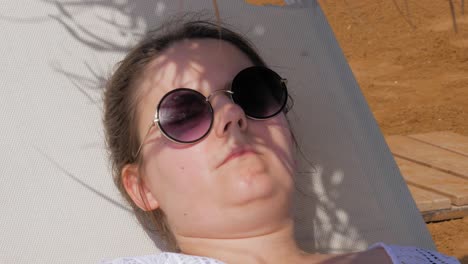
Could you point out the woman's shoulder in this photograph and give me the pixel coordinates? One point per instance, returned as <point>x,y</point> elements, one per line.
<point>163,258</point>
<point>410,254</point>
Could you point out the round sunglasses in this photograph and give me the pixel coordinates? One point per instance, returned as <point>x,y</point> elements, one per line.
<point>186,116</point>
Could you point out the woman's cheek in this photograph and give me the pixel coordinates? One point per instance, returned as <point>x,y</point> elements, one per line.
<point>181,171</point>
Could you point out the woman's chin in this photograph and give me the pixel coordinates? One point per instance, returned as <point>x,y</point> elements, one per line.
<point>250,182</point>
<point>251,202</point>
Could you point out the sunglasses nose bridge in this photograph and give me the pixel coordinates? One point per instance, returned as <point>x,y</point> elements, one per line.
<point>213,94</point>
<point>219,101</point>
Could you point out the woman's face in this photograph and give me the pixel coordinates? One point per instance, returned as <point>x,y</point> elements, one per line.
<point>236,181</point>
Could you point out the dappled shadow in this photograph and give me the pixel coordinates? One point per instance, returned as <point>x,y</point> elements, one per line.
<point>317,191</point>
<point>89,86</point>
<point>318,188</point>
<point>156,240</point>
<point>80,182</point>
<point>318,210</point>
<point>129,19</point>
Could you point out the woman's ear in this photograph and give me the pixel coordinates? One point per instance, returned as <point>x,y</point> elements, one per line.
<point>136,188</point>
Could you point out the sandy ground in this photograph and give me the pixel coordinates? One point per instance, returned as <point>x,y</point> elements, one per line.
<point>413,70</point>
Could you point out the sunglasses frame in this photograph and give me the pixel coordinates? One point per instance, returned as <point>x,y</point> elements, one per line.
<point>156,119</point>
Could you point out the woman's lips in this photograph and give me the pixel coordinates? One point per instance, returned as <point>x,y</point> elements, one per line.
<point>235,154</point>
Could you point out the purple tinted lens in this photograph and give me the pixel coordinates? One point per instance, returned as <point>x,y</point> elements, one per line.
<point>260,92</point>
<point>184,115</point>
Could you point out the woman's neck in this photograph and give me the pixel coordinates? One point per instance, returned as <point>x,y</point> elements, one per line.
<point>273,247</point>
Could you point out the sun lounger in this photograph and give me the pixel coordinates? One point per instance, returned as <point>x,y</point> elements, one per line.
<point>57,200</point>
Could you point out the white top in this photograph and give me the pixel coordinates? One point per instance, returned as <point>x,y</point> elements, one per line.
<point>398,255</point>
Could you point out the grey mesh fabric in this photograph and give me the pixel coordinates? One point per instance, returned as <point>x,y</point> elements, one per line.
<point>57,200</point>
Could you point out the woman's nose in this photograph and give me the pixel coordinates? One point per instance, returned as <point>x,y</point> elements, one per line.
<point>228,116</point>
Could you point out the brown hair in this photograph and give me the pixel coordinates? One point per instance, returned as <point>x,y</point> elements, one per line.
<point>120,100</point>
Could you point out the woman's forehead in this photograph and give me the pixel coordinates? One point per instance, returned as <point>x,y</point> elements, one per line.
<point>191,63</point>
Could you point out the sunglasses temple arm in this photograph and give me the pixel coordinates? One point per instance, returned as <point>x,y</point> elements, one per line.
<point>142,142</point>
